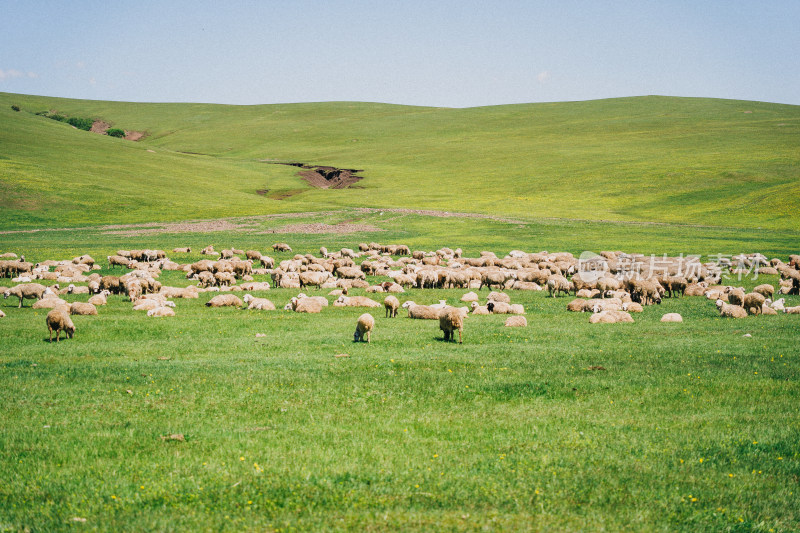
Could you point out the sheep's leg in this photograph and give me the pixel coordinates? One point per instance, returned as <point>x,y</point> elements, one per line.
<point>50,330</point>
<point>460,340</point>
<point>58,334</point>
<point>368,334</point>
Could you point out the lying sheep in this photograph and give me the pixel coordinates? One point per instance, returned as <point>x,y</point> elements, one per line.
<point>502,308</point>
<point>182,250</point>
<point>364,326</point>
<point>730,311</point>
<point>753,302</point>
<point>672,317</point>
<point>499,297</point>
<point>224,300</point>
<point>82,308</point>
<point>792,310</point>
<point>48,303</point>
<point>469,297</point>
<point>261,304</point>
<point>28,291</point>
<point>422,312</point>
<point>610,317</point>
<point>778,305</point>
<point>391,304</point>
<point>304,305</point>
<point>161,312</point>
<point>355,301</point>
<point>765,289</point>
<point>516,322</point>
<point>450,320</point>
<point>58,320</point>
<point>2,314</point>
<point>479,309</point>
<point>150,304</point>
<point>632,307</point>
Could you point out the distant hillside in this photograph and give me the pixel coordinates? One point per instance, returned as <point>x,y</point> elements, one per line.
<point>650,159</point>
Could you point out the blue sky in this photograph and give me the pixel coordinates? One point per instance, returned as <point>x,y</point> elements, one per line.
<point>448,53</point>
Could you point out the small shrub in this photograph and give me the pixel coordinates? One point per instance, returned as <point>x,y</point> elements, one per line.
<point>80,123</point>
<point>115,132</point>
<point>56,116</point>
<point>15,107</point>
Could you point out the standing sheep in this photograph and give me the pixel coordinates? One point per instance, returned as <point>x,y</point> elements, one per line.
<point>58,320</point>
<point>364,326</point>
<point>450,320</point>
<point>391,304</point>
<point>28,291</point>
<point>422,312</point>
<point>753,302</point>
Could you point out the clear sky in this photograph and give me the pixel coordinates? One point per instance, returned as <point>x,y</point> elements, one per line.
<point>458,53</point>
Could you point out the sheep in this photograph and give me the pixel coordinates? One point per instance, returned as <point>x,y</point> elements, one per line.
<point>516,321</point>
<point>766,290</point>
<point>364,326</point>
<point>422,312</point>
<point>391,304</point>
<point>161,312</point>
<point>736,296</point>
<point>792,310</point>
<point>58,320</point>
<point>304,305</point>
<point>767,310</point>
<point>28,291</point>
<point>186,250</point>
<point>479,309</point>
<point>499,297</point>
<point>502,308</point>
<point>608,283</point>
<point>355,301</point>
<point>632,307</point>
<point>2,314</point>
<point>261,304</point>
<point>647,291</point>
<point>149,305</point>
<point>224,300</point>
<point>577,305</point>
<point>730,311</point>
<point>469,297</point>
<point>556,284</point>
<point>450,320</point>
<point>99,299</point>
<point>777,305</point>
<point>672,317</point>
<point>48,303</point>
<point>753,302</point>
<point>610,317</point>
<point>82,308</point>
<point>281,247</point>
<point>179,292</point>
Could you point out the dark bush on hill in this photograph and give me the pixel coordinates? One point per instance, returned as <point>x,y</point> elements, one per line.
<point>15,107</point>
<point>115,132</point>
<point>80,123</point>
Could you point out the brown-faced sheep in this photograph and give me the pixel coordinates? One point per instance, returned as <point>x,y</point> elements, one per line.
<point>58,320</point>
<point>730,311</point>
<point>224,300</point>
<point>753,302</point>
<point>450,320</point>
<point>422,312</point>
<point>29,291</point>
<point>364,327</point>
<point>391,304</point>
<point>516,321</point>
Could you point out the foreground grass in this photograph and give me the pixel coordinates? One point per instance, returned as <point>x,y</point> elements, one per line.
<point>686,427</point>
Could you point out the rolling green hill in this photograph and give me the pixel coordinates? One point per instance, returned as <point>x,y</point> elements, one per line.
<point>647,159</point>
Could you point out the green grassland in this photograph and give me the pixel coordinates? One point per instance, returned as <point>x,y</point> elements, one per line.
<point>647,159</point>
<point>687,427</point>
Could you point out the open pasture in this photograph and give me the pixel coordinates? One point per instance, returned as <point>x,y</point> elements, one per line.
<point>561,424</point>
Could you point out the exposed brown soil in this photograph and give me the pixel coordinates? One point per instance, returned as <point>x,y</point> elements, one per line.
<point>98,126</point>
<point>324,177</point>
<point>135,135</point>
<point>318,228</point>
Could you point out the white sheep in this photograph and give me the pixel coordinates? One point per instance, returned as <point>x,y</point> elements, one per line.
<point>161,312</point>
<point>364,326</point>
<point>391,304</point>
<point>58,320</point>
<point>423,312</point>
<point>610,317</point>
<point>516,321</point>
<point>729,310</point>
<point>672,317</point>
<point>261,304</point>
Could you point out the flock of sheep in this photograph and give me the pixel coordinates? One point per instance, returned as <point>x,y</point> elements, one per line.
<point>611,285</point>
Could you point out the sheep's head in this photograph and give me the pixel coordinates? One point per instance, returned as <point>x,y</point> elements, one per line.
<point>596,308</point>
<point>247,298</point>
<point>70,288</point>
<point>625,306</point>
<point>407,304</point>
<point>473,305</point>
<point>6,294</point>
<point>490,306</point>
<point>169,304</point>
<point>719,304</point>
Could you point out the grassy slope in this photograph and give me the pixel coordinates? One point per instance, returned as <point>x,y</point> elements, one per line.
<point>695,161</point>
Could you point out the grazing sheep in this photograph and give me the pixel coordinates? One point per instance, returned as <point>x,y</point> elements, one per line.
<point>672,317</point>
<point>391,304</point>
<point>224,300</point>
<point>556,284</point>
<point>82,308</point>
<point>281,247</point>
<point>450,320</point>
<point>753,302</point>
<point>736,296</point>
<point>161,312</point>
<point>355,301</point>
<point>730,311</point>
<point>766,290</point>
<point>516,322</point>
<point>261,304</point>
<point>364,326</point>
<point>58,320</point>
<point>610,317</point>
<point>28,291</point>
<point>479,309</point>
<point>422,312</point>
<point>647,291</point>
